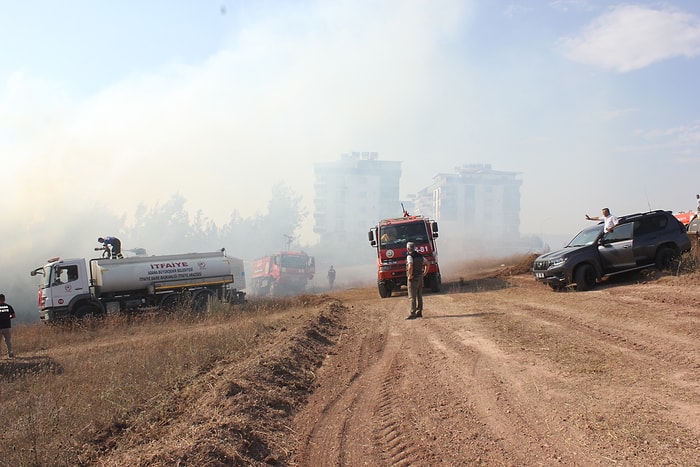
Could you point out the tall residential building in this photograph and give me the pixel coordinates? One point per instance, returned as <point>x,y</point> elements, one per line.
<point>352,194</point>
<point>475,202</point>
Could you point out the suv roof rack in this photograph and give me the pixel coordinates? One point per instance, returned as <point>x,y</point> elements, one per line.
<point>642,214</point>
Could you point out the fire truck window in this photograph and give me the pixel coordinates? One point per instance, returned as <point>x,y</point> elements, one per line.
<point>59,276</point>
<point>417,233</point>
<point>72,273</point>
<point>294,261</point>
<point>388,236</point>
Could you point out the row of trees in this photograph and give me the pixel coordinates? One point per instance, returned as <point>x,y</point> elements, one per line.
<point>167,228</point>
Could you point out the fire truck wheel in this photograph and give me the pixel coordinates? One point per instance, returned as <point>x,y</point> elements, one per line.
<point>384,291</point>
<point>435,283</point>
<point>87,311</point>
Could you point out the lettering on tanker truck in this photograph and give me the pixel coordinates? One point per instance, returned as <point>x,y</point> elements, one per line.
<point>176,270</point>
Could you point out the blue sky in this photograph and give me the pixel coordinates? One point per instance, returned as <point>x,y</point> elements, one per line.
<point>596,103</point>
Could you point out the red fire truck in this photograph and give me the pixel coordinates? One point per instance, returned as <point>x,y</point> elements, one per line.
<point>283,273</point>
<point>390,236</point>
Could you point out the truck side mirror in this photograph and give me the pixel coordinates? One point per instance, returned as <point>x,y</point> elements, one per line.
<point>435,229</point>
<point>370,237</point>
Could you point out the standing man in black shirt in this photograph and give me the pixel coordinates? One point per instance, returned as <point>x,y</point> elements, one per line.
<point>416,269</point>
<point>7,314</point>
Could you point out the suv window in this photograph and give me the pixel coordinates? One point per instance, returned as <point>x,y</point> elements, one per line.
<point>620,233</point>
<point>650,224</point>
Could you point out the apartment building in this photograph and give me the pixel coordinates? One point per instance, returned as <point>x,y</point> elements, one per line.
<point>352,194</point>
<point>474,204</point>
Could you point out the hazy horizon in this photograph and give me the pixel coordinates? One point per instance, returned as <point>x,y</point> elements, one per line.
<point>105,107</point>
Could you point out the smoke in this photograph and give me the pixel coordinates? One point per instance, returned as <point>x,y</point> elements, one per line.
<point>67,231</point>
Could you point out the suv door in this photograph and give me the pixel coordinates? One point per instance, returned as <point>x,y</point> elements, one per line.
<point>616,249</point>
<point>648,234</point>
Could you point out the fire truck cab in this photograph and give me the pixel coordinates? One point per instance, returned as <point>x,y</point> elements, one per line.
<point>389,237</point>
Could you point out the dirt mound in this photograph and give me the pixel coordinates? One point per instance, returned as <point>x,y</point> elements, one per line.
<point>233,414</point>
<point>485,273</point>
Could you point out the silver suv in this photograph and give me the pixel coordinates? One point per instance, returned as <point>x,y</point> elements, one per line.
<point>639,241</point>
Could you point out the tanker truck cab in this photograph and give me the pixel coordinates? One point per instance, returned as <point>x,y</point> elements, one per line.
<point>64,287</point>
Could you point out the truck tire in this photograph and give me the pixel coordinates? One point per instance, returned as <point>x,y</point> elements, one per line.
<point>664,258</point>
<point>171,302</point>
<point>200,301</point>
<point>384,291</point>
<point>585,277</point>
<point>435,282</point>
<point>87,311</point>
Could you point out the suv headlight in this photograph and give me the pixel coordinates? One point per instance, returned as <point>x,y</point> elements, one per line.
<point>555,263</point>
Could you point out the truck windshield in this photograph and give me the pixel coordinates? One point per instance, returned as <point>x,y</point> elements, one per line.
<point>293,261</point>
<point>43,275</point>
<point>586,237</point>
<point>394,236</point>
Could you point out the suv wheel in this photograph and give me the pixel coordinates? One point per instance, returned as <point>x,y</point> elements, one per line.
<point>664,258</point>
<point>585,277</point>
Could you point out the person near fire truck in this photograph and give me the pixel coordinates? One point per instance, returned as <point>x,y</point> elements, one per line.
<point>7,314</point>
<point>416,270</point>
<point>331,277</point>
<point>114,244</point>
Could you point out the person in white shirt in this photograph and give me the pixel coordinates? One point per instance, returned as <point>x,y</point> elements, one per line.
<point>609,220</point>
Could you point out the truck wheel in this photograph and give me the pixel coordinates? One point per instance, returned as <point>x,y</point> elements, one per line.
<point>435,283</point>
<point>87,311</point>
<point>171,302</point>
<point>384,291</point>
<point>200,301</point>
<point>664,258</point>
<point>585,277</point>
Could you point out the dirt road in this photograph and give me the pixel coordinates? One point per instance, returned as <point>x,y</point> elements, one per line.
<point>507,372</point>
<point>500,371</point>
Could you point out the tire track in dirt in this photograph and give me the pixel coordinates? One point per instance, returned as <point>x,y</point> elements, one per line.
<point>606,313</point>
<point>517,375</point>
<point>500,387</point>
<point>361,421</point>
<point>663,346</point>
<point>578,322</point>
<point>395,447</point>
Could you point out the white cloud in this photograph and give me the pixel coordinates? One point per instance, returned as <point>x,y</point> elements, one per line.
<point>630,37</point>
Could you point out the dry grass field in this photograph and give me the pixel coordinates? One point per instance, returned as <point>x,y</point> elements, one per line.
<point>501,371</point>
<point>73,389</point>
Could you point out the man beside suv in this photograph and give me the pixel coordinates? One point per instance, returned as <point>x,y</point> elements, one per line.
<point>609,221</point>
<point>637,241</point>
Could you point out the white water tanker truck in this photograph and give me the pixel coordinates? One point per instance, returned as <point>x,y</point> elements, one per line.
<point>70,289</point>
